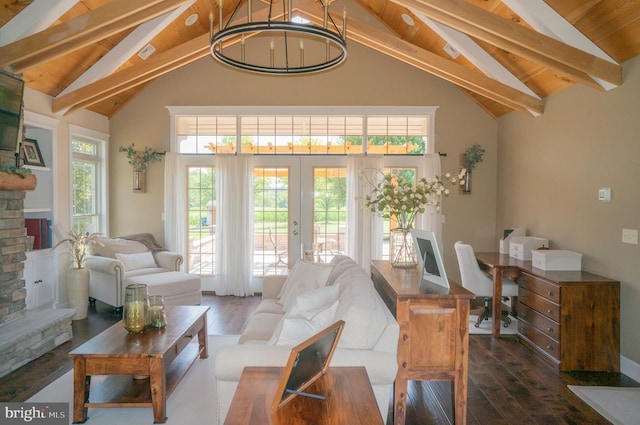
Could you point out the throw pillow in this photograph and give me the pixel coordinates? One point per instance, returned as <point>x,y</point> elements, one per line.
<point>300,327</point>
<point>312,300</point>
<point>304,275</point>
<point>141,260</point>
<point>364,316</point>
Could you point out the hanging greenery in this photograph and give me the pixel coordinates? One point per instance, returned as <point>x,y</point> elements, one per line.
<point>473,156</point>
<point>141,160</point>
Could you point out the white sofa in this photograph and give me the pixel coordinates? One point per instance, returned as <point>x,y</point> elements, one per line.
<point>114,263</point>
<point>296,307</point>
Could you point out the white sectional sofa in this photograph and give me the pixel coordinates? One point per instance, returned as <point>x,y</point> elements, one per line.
<point>296,307</point>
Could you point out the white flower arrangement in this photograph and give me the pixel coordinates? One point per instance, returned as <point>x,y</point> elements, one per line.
<point>394,196</point>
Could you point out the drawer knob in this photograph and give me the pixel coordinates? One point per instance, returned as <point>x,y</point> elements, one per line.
<point>550,311</point>
<point>550,293</point>
<point>522,328</point>
<point>550,348</point>
<point>550,330</point>
<point>404,365</point>
<point>405,337</point>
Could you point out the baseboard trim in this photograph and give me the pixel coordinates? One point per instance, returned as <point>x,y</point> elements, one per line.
<point>630,368</point>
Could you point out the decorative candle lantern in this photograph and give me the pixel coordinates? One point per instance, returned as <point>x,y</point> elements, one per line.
<point>156,311</point>
<point>135,313</point>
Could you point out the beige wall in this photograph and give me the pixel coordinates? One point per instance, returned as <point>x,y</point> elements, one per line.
<point>551,167</point>
<point>367,78</point>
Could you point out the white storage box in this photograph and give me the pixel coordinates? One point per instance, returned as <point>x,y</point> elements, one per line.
<point>556,259</point>
<point>520,247</point>
<point>508,235</point>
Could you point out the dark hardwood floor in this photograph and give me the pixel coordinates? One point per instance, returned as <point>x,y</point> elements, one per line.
<point>508,383</point>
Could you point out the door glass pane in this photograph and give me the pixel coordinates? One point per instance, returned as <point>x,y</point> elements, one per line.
<point>201,246</point>
<point>271,220</point>
<point>329,212</point>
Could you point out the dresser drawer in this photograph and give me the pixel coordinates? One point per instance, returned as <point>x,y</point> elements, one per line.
<point>541,322</point>
<point>540,287</point>
<point>539,303</point>
<point>548,345</point>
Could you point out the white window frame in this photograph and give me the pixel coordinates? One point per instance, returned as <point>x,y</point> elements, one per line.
<point>239,111</point>
<point>101,140</point>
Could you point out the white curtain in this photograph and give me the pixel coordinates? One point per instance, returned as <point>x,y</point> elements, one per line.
<point>364,242</point>
<point>432,220</point>
<point>175,203</point>
<point>234,225</point>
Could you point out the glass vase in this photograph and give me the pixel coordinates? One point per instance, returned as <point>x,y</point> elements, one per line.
<point>135,311</point>
<point>402,252</point>
<point>156,311</point>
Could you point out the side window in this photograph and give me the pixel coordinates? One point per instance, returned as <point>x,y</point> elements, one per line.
<point>88,203</point>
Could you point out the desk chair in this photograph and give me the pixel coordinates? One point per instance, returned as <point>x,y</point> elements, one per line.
<point>479,283</point>
<point>281,254</point>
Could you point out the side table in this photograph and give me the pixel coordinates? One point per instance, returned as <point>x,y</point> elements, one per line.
<point>350,400</point>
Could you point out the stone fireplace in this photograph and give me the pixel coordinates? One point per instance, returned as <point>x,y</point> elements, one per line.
<point>25,334</point>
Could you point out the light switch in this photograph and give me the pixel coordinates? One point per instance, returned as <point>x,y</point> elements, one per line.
<point>630,236</point>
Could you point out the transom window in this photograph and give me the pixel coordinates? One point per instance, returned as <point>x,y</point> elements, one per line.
<point>394,132</point>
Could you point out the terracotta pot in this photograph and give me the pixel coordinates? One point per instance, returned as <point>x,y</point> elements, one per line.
<point>78,292</point>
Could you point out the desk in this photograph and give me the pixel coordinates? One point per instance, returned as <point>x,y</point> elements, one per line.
<point>571,318</point>
<point>434,333</point>
<point>498,266</point>
<point>350,398</point>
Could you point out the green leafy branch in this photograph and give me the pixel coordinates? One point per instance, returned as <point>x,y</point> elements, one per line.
<point>12,169</point>
<point>473,156</point>
<point>140,160</point>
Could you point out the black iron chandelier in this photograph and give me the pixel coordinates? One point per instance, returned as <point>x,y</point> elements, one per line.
<point>268,43</point>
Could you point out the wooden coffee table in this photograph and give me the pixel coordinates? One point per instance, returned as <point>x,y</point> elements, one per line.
<point>164,355</point>
<point>350,400</point>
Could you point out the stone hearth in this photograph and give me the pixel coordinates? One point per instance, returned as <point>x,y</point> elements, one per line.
<point>25,334</point>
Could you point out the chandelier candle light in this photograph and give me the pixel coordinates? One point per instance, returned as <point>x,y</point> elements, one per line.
<point>269,46</point>
<point>394,197</point>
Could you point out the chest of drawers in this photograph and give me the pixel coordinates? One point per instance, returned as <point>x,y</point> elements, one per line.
<point>571,318</point>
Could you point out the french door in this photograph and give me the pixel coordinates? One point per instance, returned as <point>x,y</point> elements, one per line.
<point>299,209</point>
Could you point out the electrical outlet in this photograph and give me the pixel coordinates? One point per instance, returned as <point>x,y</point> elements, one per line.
<point>630,236</point>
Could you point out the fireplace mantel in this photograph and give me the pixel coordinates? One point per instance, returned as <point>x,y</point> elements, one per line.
<point>13,181</point>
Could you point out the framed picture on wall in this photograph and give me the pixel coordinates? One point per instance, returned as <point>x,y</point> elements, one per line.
<point>31,153</point>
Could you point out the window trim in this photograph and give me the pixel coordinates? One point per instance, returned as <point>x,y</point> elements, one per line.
<point>365,111</point>
<point>102,141</point>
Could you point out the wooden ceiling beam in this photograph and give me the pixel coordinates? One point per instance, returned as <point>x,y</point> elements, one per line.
<point>82,31</point>
<point>459,75</point>
<point>140,73</point>
<point>153,67</point>
<point>427,61</point>
<point>519,40</point>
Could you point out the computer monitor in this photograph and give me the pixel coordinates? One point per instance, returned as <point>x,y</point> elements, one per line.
<point>429,258</point>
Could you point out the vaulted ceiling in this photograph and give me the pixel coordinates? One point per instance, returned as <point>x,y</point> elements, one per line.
<point>505,54</point>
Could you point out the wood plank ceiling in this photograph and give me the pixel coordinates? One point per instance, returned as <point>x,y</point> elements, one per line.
<point>506,55</point>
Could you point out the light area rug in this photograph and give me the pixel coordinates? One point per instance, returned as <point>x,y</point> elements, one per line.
<point>486,327</point>
<point>619,405</point>
<point>192,401</point>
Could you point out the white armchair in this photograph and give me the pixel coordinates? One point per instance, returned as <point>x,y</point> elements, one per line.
<point>115,263</point>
